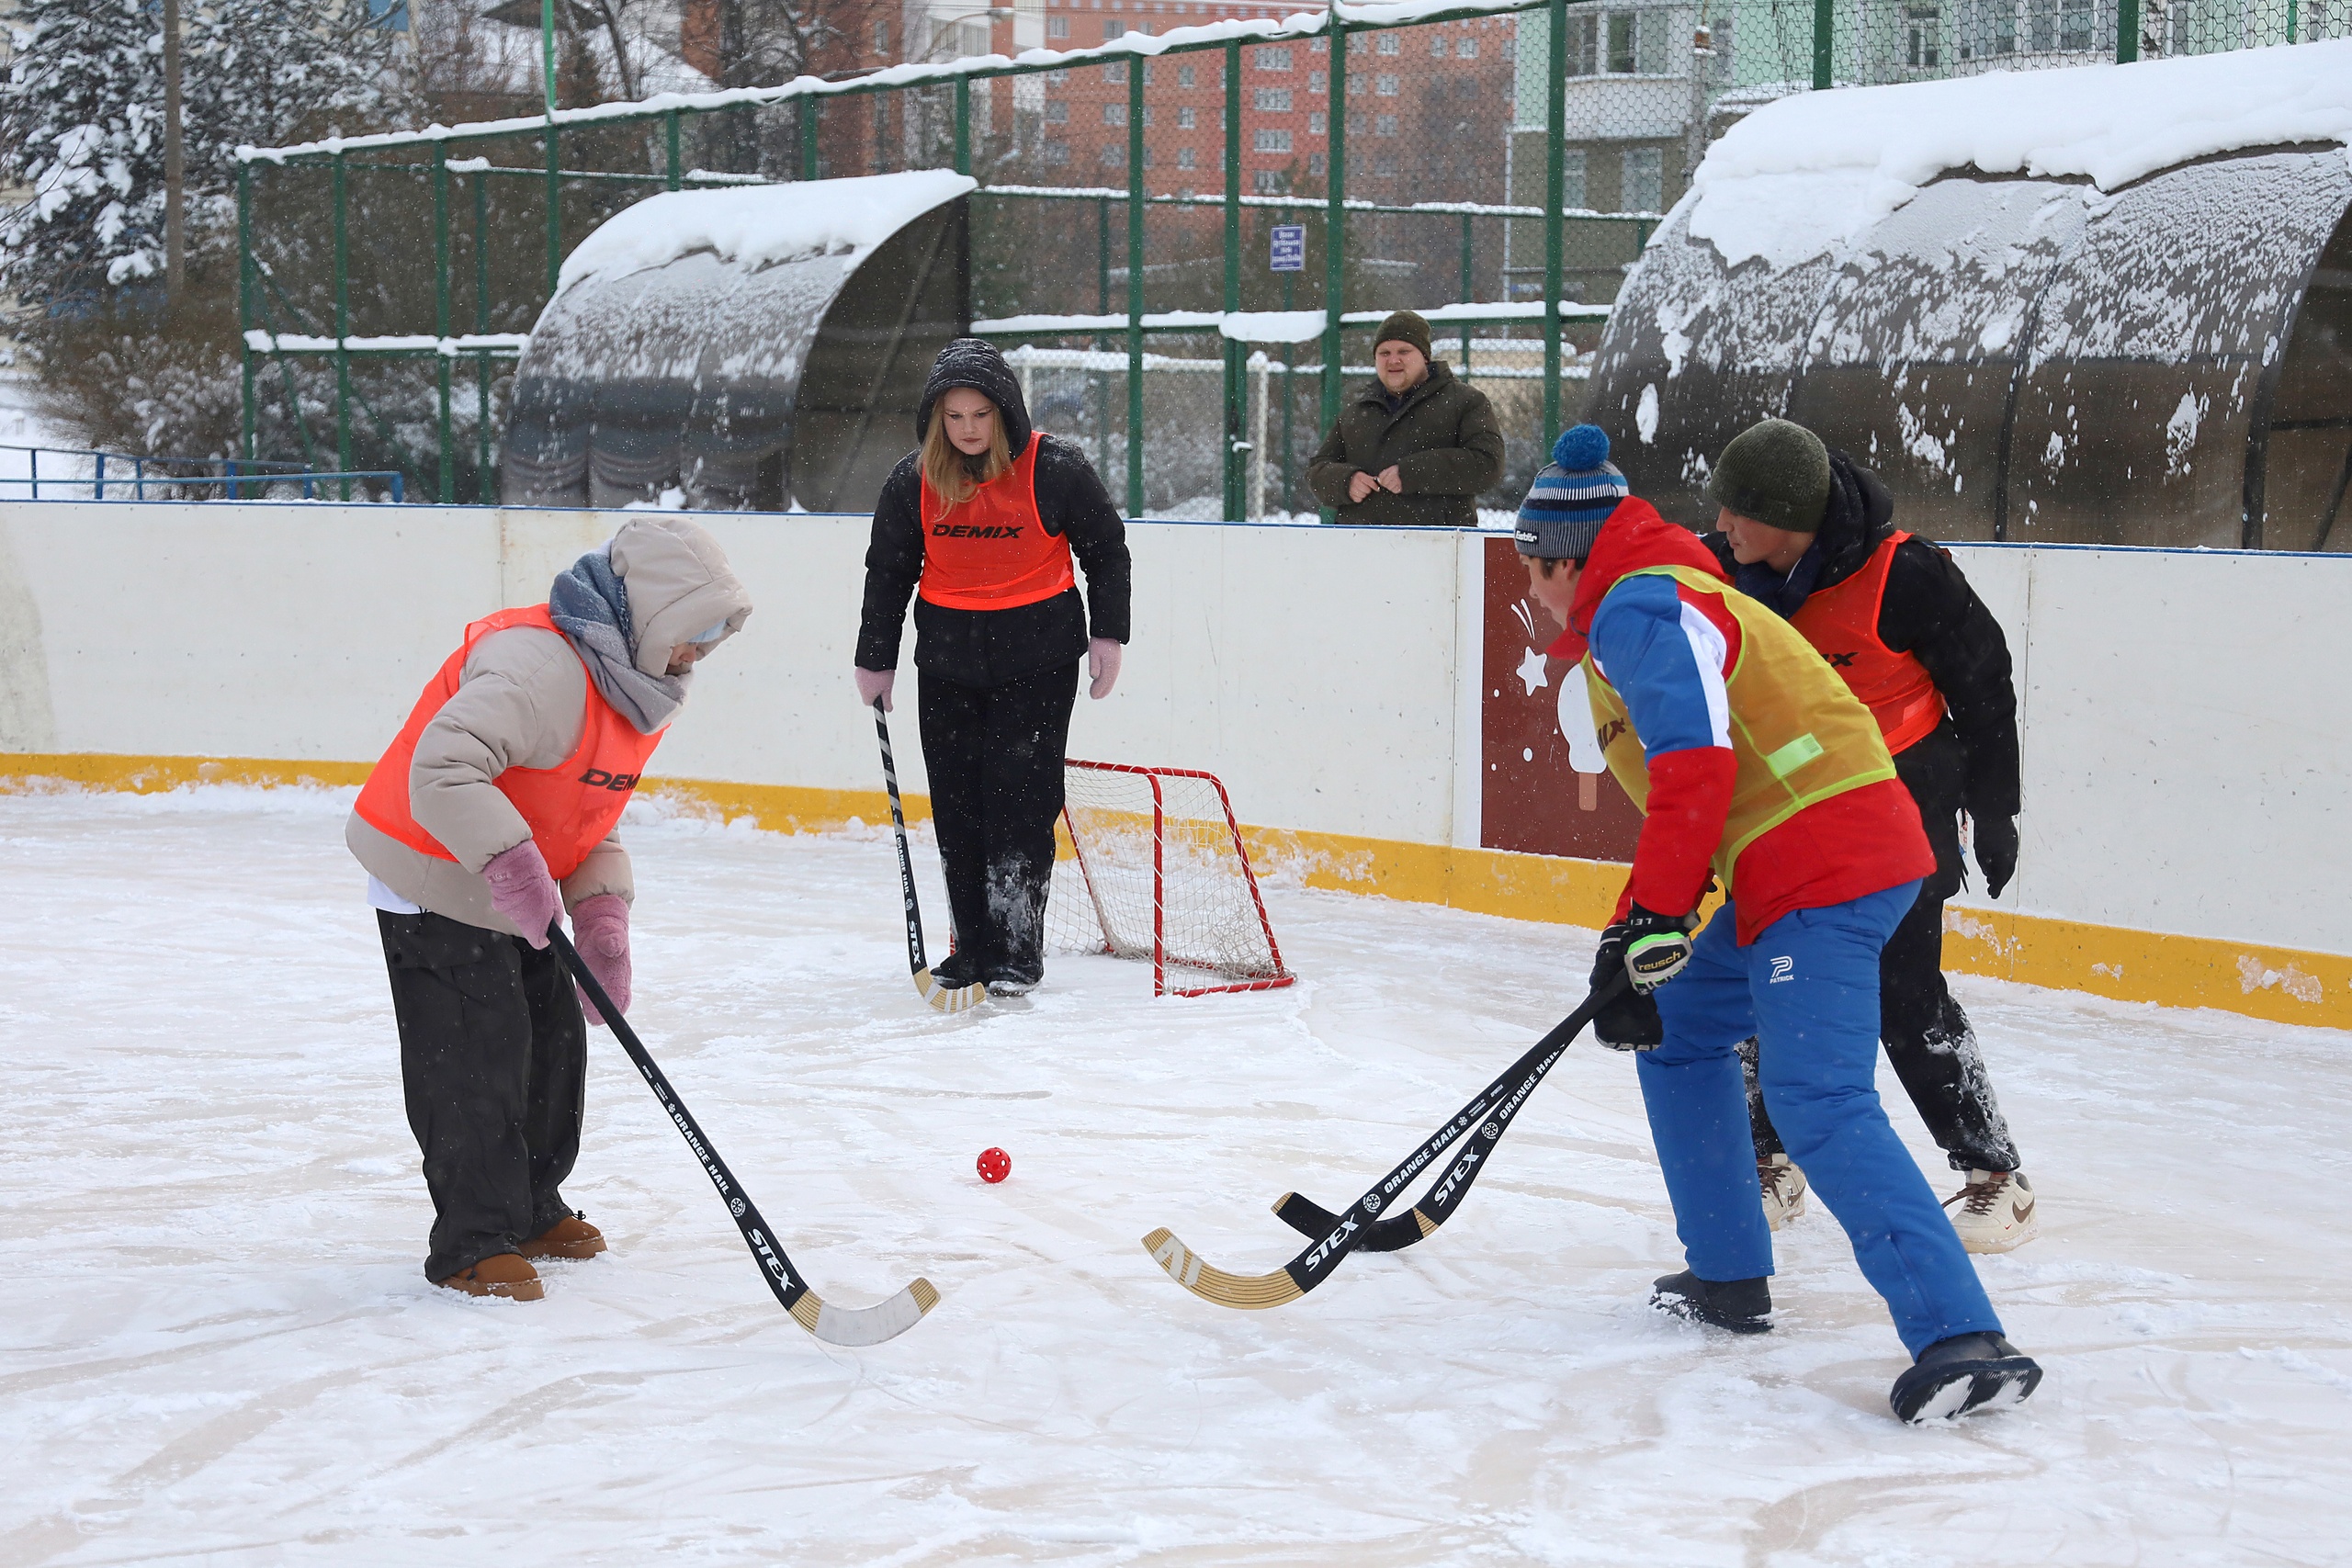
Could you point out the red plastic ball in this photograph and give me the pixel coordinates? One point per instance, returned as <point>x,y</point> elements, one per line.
<point>995,1165</point>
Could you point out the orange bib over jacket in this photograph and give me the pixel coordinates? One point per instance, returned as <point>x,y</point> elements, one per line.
<point>992,552</point>
<point>1843,623</point>
<point>569,809</point>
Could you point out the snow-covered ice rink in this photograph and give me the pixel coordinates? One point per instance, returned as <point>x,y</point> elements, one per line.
<point>220,1347</point>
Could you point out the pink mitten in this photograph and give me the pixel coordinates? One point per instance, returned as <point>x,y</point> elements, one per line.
<point>521,889</point>
<point>873,683</point>
<point>1102,665</point>
<point>600,930</point>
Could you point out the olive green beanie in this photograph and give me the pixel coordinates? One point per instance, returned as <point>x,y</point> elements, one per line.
<point>1404,326</point>
<point>1776,473</point>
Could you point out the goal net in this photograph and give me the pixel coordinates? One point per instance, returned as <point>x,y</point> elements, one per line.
<point>1148,864</point>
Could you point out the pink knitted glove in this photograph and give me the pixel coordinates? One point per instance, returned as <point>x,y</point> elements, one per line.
<point>600,930</point>
<point>521,889</point>
<point>873,683</point>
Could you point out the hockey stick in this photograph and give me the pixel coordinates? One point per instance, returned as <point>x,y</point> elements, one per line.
<point>1393,1233</point>
<point>1499,1099</point>
<point>833,1325</point>
<point>946,999</point>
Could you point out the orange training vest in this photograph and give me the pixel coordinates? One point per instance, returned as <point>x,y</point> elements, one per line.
<point>1843,623</point>
<point>992,552</point>
<point>569,809</point>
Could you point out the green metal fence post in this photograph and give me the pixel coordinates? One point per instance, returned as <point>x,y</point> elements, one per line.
<point>1335,222</point>
<point>2291,18</point>
<point>963,125</point>
<point>670,137</point>
<point>2127,31</point>
<point>810,107</point>
<point>1135,286</point>
<point>1555,116</point>
<point>342,330</point>
<point>1824,32</point>
<point>555,210</point>
<point>1465,294</point>
<point>447,491</point>
<point>1236,387</point>
<point>250,414</point>
<point>483,490</point>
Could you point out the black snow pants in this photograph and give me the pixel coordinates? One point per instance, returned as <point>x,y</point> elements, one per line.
<point>495,1061</point>
<point>1928,1041</point>
<point>994,754</point>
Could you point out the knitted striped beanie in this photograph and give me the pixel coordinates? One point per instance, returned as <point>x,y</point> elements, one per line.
<point>1571,498</point>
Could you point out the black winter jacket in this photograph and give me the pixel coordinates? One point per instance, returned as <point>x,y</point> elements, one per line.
<point>987,648</point>
<point>1930,612</point>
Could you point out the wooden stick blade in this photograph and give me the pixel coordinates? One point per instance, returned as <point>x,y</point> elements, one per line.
<point>949,998</point>
<point>1205,1279</point>
<point>866,1326</point>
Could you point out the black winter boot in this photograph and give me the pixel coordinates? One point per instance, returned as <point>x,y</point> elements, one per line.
<point>1966,1372</point>
<point>1741,1305</point>
<point>956,970</point>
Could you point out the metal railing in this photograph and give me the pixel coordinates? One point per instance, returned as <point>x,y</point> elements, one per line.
<point>240,478</point>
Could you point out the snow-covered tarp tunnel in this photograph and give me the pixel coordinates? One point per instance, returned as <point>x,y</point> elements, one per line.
<point>2106,305</point>
<point>751,347</point>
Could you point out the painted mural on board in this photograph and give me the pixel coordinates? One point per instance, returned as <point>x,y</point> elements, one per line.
<point>1547,791</point>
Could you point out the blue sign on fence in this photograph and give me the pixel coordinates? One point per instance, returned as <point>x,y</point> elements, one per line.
<point>1289,249</point>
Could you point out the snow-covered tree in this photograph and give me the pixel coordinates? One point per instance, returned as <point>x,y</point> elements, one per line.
<point>82,124</point>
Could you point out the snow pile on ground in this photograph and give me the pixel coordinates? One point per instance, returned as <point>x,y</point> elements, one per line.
<point>757,226</point>
<point>219,1347</point>
<point>1802,176</point>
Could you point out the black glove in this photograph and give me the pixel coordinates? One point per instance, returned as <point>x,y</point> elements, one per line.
<point>1629,1022</point>
<point>1995,839</point>
<point>1655,946</point>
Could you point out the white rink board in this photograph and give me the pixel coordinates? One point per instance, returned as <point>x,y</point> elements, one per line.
<point>2187,736</point>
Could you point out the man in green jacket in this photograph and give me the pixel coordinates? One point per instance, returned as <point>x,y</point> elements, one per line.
<point>1413,445</point>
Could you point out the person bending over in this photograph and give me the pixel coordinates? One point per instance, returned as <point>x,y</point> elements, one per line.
<point>1751,761</point>
<point>980,524</point>
<point>491,812</point>
<point>1810,534</point>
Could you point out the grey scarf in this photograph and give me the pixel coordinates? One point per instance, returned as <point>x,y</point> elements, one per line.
<point>589,605</point>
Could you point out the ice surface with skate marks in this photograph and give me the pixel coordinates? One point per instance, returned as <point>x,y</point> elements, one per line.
<point>220,1347</point>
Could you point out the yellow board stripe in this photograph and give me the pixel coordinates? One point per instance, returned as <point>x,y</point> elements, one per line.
<point>2282,985</point>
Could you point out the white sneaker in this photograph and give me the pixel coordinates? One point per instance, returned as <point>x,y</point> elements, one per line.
<point>1994,1212</point>
<point>1784,1190</point>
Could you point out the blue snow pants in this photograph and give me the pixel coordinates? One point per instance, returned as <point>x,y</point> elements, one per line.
<point>1807,988</point>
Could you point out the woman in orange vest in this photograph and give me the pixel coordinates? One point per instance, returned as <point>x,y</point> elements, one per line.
<point>491,812</point>
<point>1811,534</point>
<point>980,525</point>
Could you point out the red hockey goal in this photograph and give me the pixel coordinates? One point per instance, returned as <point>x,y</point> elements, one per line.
<point>1150,863</point>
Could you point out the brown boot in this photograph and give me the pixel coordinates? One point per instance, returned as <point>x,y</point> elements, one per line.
<point>571,1236</point>
<point>502,1274</point>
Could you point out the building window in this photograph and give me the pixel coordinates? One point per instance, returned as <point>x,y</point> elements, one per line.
<point>1113,29</point>
<point>1267,139</point>
<point>1645,186</point>
<point>1114,114</point>
<point>2076,23</point>
<point>1315,123</point>
<point>1318,46</point>
<point>1388,85</point>
<point>1316,163</point>
<point>1315,82</point>
<point>1465,48</point>
<point>1057,113</point>
<point>1355,125</point>
<point>1923,35</point>
<point>1186,158</point>
<point>1057,154</point>
<point>1058,26</point>
<point>1384,125</point>
<point>1184,120</point>
<point>882,36</point>
<point>1633,43</point>
<point>1355,86</point>
<point>1355,43</point>
<point>1439,47</point>
<point>1572,182</point>
<point>1267,182</point>
<point>1057,78</point>
<point>1114,154</point>
<point>1386,164</point>
<point>1391,43</point>
<point>1271,57</point>
<point>1274,100</point>
<point>1115,73</point>
<point>1184,75</point>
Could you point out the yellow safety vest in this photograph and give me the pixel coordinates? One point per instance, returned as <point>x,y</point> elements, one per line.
<point>1799,734</point>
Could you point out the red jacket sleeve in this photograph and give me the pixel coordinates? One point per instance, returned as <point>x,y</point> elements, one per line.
<point>1689,802</point>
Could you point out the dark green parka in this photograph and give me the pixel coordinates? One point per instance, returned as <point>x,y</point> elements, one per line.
<point>1444,440</point>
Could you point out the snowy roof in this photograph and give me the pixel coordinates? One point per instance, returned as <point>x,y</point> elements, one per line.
<point>756,226</point>
<point>1806,175</point>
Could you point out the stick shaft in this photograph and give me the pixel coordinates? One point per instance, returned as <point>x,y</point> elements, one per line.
<point>915,961</point>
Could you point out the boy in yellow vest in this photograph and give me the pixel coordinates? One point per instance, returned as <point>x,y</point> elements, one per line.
<point>1751,760</point>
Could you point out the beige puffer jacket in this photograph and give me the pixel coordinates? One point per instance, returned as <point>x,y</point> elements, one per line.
<point>519,703</point>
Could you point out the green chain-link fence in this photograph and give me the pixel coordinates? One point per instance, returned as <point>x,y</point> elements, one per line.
<point>1498,165</point>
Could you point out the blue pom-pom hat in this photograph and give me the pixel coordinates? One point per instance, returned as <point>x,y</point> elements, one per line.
<point>1571,498</point>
